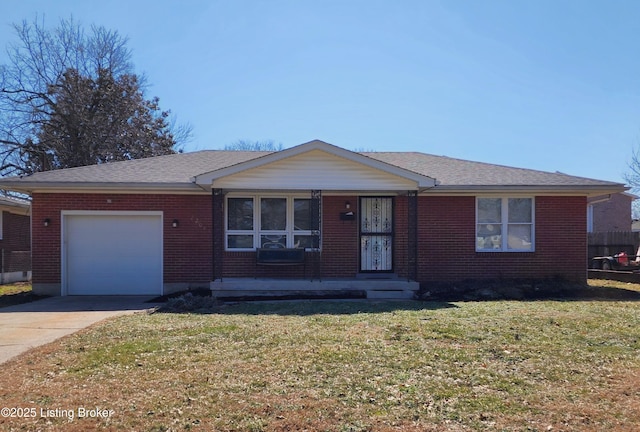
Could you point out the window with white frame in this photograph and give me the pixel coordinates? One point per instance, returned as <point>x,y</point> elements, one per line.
<point>505,224</point>
<point>268,222</point>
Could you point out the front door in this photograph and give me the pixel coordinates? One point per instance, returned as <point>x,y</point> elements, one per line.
<point>376,234</point>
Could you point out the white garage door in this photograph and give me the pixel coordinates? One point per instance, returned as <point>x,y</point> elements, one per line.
<point>113,254</point>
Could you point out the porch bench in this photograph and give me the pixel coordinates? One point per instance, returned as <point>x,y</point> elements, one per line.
<point>280,256</point>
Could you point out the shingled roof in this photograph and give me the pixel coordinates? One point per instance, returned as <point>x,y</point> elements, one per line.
<point>456,173</point>
<point>176,173</point>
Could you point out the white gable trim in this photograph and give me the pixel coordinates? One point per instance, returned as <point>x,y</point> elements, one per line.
<point>417,181</point>
<point>315,169</point>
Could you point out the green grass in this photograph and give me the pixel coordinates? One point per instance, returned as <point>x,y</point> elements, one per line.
<point>346,366</point>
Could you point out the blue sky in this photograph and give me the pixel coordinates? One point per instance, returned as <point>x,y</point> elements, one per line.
<point>552,85</point>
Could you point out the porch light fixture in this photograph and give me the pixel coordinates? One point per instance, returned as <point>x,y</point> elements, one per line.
<point>347,215</point>
<point>175,223</point>
<point>46,222</point>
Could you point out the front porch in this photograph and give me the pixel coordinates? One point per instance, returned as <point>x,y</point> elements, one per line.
<point>240,288</point>
<point>371,255</point>
<point>283,227</point>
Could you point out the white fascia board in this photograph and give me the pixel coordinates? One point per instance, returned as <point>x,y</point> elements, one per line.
<point>588,191</point>
<point>630,195</point>
<point>57,187</point>
<point>206,179</point>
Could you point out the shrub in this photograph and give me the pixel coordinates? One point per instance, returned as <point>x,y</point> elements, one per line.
<point>189,303</point>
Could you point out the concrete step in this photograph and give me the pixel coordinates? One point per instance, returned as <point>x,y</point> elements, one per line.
<point>390,294</point>
<point>378,289</point>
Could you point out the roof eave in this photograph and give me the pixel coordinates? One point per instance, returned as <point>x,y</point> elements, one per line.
<point>15,207</point>
<point>583,190</point>
<point>120,187</point>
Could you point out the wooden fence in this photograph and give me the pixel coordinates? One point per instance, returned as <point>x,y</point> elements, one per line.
<point>611,243</point>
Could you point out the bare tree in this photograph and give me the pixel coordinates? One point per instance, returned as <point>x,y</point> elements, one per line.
<point>633,176</point>
<point>247,145</point>
<point>70,98</point>
<point>633,180</point>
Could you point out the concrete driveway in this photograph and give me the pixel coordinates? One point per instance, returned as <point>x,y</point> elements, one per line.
<point>29,325</point>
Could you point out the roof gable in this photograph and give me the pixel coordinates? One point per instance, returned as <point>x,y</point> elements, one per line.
<point>307,166</point>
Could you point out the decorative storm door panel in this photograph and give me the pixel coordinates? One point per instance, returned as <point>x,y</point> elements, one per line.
<point>376,234</point>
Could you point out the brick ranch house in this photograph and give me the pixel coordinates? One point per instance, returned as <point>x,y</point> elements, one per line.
<point>332,219</point>
<point>15,240</point>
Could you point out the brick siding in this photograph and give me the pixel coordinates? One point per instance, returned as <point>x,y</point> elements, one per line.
<point>613,214</point>
<point>446,246</point>
<point>339,248</point>
<point>340,255</point>
<point>16,233</point>
<point>446,239</point>
<point>16,242</point>
<point>187,249</point>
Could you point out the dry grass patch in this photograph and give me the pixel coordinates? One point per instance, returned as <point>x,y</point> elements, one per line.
<point>15,288</point>
<point>344,366</point>
<point>16,293</point>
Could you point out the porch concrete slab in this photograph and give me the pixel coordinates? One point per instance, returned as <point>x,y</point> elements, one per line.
<point>391,294</point>
<point>29,325</point>
<point>374,288</point>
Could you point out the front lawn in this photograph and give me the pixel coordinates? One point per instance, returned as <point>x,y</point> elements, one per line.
<point>343,366</point>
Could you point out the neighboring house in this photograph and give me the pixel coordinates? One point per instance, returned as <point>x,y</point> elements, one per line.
<point>15,240</point>
<point>382,221</point>
<point>611,212</point>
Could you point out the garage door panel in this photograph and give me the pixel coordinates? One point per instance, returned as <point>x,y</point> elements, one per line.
<point>114,254</point>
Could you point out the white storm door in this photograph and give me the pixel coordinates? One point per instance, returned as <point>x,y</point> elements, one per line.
<point>376,234</point>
